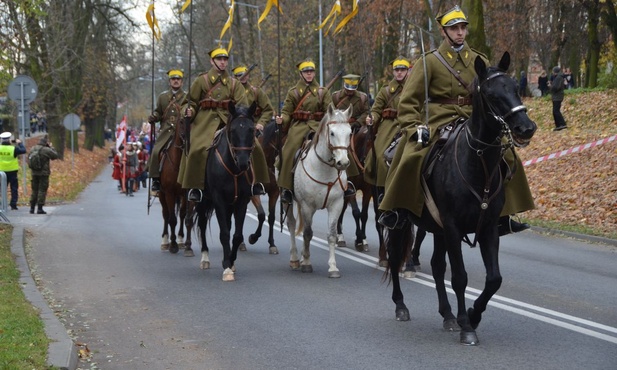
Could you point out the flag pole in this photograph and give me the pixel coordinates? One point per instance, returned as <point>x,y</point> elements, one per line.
<point>152,125</point>
<point>187,120</point>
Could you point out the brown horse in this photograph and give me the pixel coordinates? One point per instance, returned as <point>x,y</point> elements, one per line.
<point>171,195</point>
<point>269,143</point>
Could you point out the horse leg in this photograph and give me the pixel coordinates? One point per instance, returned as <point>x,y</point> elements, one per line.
<point>261,217</point>
<point>165,211</point>
<point>294,261</point>
<point>238,237</point>
<point>307,235</point>
<point>333,271</point>
<point>189,223</point>
<point>489,247</point>
<point>182,215</point>
<point>397,242</point>
<point>366,199</point>
<point>452,243</point>
<point>224,220</point>
<point>355,211</point>
<point>413,264</point>
<point>202,223</point>
<point>173,221</point>
<point>271,223</point>
<point>340,238</point>
<point>438,264</point>
<point>383,257</point>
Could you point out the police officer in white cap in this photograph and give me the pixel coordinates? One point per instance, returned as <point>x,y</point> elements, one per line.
<point>9,164</point>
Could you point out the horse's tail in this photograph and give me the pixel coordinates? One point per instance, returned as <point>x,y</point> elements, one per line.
<point>399,244</point>
<point>300,219</point>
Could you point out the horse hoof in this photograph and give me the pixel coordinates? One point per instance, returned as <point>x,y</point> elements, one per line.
<point>451,325</point>
<point>233,268</point>
<point>253,239</point>
<point>228,275</point>
<point>341,243</point>
<point>408,274</point>
<point>417,267</point>
<point>242,247</point>
<point>164,247</point>
<point>204,265</point>
<point>306,268</point>
<point>361,247</point>
<point>334,274</point>
<point>273,250</point>
<point>295,265</point>
<point>173,249</point>
<point>469,338</point>
<point>189,253</point>
<point>383,263</point>
<point>402,314</point>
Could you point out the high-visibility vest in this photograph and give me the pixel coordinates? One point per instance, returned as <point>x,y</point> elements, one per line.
<point>8,161</point>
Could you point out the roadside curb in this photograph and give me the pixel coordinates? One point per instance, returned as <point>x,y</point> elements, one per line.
<point>583,237</point>
<point>62,352</point>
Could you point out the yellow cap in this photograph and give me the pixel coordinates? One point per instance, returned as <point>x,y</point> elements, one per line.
<point>351,81</point>
<point>240,70</point>
<point>175,73</point>
<point>218,52</point>
<point>452,17</point>
<point>307,65</point>
<point>401,63</point>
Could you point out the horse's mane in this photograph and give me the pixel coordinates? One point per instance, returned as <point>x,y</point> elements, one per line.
<point>327,119</point>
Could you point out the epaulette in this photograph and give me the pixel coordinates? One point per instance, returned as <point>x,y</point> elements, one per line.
<point>203,73</point>
<point>479,53</point>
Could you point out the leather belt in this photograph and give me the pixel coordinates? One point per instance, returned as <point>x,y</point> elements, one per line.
<point>461,100</point>
<point>214,104</point>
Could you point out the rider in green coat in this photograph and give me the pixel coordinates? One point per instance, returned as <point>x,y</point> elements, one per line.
<point>448,100</point>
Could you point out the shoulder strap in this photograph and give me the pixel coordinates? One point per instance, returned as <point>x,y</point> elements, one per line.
<point>454,73</point>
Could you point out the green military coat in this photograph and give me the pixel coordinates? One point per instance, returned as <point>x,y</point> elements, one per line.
<point>358,100</point>
<point>167,112</point>
<point>388,97</point>
<point>296,129</point>
<point>403,181</point>
<point>264,114</point>
<point>205,122</point>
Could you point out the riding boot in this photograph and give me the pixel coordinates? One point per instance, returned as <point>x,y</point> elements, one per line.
<point>394,219</point>
<point>507,226</point>
<point>351,189</point>
<point>195,195</point>
<point>40,210</point>
<point>286,196</point>
<point>258,189</point>
<point>156,184</point>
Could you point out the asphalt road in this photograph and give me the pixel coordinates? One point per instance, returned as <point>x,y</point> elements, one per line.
<point>136,307</point>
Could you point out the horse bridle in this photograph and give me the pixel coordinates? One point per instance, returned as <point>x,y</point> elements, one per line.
<point>331,147</point>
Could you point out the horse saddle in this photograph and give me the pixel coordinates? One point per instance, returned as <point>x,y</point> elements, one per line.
<point>447,134</point>
<point>303,151</point>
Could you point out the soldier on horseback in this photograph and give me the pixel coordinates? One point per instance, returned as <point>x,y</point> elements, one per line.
<point>167,112</point>
<point>206,105</point>
<point>303,109</point>
<point>449,71</point>
<point>349,95</point>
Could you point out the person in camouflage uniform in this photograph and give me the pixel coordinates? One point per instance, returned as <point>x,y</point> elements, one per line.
<point>167,112</point>
<point>40,178</point>
<point>263,115</point>
<point>385,124</point>
<point>303,109</point>
<point>448,100</point>
<point>207,107</point>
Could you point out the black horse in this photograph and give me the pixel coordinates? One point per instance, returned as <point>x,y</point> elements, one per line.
<point>498,121</point>
<point>228,185</point>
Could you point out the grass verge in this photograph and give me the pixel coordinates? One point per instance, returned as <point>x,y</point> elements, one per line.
<point>23,343</point>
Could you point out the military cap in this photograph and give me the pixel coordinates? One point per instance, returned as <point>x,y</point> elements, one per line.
<point>307,65</point>
<point>218,52</point>
<point>175,73</point>
<point>351,81</point>
<point>401,63</point>
<point>452,17</point>
<point>240,70</point>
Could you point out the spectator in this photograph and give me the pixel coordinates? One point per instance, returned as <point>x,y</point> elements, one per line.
<point>522,85</point>
<point>40,177</point>
<point>9,163</point>
<point>543,83</point>
<point>557,87</point>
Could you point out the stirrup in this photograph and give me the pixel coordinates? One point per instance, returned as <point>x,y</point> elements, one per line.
<point>286,196</point>
<point>351,189</point>
<point>195,195</point>
<point>258,189</point>
<point>393,219</point>
<point>156,185</point>
<point>508,226</point>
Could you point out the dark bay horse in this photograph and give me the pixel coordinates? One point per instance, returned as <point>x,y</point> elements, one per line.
<point>361,142</point>
<point>171,195</point>
<point>498,121</point>
<point>269,143</point>
<point>228,186</point>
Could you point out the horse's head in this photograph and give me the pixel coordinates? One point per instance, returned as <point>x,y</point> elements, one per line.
<point>240,133</point>
<point>335,132</point>
<point>497,95</point>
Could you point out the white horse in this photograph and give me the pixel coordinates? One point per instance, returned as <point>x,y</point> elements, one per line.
<point>320,180</point>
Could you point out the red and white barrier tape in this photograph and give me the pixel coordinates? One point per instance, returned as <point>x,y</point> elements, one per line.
<point>576,149</point>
